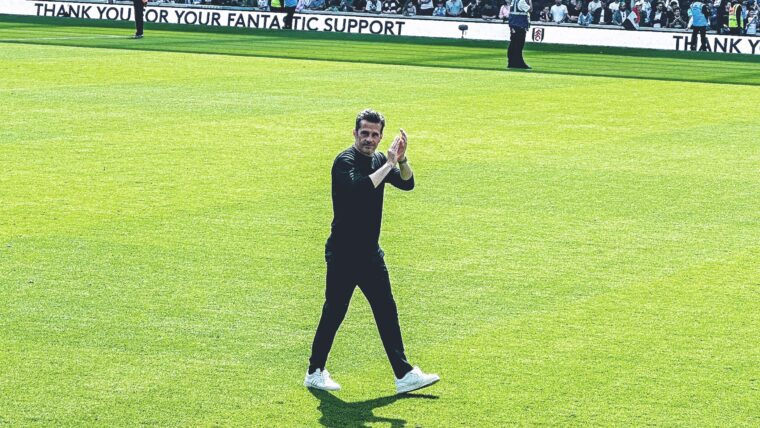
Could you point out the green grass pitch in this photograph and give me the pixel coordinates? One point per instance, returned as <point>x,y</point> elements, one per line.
<point>582,247</point>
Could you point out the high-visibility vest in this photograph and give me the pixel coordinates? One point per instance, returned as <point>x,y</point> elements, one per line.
<point>732,21</point>
<point>517,17</point>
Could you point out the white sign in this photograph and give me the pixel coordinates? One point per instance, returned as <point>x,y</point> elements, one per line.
<point>383,25</point>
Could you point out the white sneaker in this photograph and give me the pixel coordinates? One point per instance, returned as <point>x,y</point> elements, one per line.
<point>320,379</point>
<point>414,380</point>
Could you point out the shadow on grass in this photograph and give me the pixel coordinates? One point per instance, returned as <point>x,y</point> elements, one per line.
<point>339,413</point>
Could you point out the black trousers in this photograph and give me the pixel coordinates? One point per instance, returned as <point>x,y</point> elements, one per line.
<point>344,272</point>
<point>289,12</point>
<point>515,50</point>
<point>139,12</point>
<point>702,31</point>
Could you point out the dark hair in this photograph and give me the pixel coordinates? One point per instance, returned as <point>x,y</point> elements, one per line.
<point>370,116</point>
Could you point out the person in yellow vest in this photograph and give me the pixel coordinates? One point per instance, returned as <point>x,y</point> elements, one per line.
<point>735,18</point>
<point>276,6</point>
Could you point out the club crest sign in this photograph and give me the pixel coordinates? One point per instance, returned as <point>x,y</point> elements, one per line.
<point>538,34</point>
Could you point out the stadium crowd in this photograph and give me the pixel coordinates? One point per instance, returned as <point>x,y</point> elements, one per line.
<point>725,16</point>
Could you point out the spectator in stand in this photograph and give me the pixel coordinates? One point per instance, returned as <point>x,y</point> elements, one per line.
<point>712,18</point>
<point>752,19</point>
<point>317,5</point>
<point>454,8</point>
<point>262,6</point>
<point>390,7</point>
<point>440,9</point>
<point>613,6</point>
<point>669,9</point>
<point>425,8</point>
<point>645,11</point>
<point>593,5</point>
<point>346,6</point>
<point>504,11</point>
<point>659,16</point>
<point>409,8</point>
<point>333,5</point>
<point>602,15</point>
<point>359,5</point>
<point>374,6</point>
<point>699,14</point>
<point>721,15</point>
<point>545,15</point>
<point>574,10</point>
<point>677,21</point>
<point>585,16</point>
<point>489,10</point>
<point>558,12</point>
<point>619,16</point>
<point>633,19</point>
<point>474,9</point>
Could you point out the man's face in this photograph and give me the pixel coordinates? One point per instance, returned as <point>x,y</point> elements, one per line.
<point>558,2</point>
<point>367,137</point>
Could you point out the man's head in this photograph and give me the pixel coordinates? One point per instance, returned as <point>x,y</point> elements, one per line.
<point>368,131</point>
<point>558,2</point>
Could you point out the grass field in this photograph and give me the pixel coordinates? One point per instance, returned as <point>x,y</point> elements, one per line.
<point>582,247</point>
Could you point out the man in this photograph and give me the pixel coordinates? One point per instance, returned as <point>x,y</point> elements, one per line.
<point>620,15</point>
<point>558,12</point>
<point>290,11</point>
<point>735,18</point>
<point>602,15</point>
<point>659,17</point>
<point>374,6</point>
<point>518,26</point>
<point>391,7</point>
<point>613,6</point>
<point>593,5</point>
<point>139,9</point>
<point>454,8</point>
<point>352,253</point>
<point>699,14</point>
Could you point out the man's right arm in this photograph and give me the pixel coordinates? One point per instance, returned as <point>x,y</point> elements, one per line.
<point>347,176</point>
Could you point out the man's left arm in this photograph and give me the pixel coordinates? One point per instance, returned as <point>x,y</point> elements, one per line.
<point>403,176</point>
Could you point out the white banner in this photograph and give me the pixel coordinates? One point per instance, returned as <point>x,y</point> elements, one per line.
<point>384,25</point>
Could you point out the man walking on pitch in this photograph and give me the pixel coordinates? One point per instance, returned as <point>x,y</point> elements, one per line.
<point>519,22</point>
<point>353,255</point>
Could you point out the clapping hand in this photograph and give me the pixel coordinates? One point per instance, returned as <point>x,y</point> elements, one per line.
<point>397,151</point>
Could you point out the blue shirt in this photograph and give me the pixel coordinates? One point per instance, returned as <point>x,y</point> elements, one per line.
<point>454,7</point>
<point>698,18</point>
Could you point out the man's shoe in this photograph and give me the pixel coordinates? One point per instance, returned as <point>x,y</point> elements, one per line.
<point>137,36</point>
<point>320,379</point>
<point>415,380</point>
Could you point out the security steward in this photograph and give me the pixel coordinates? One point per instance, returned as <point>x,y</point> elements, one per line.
<point>139,6</point>
<point>519,22</point>
<point>699,24</point>
<point>735,21</point>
